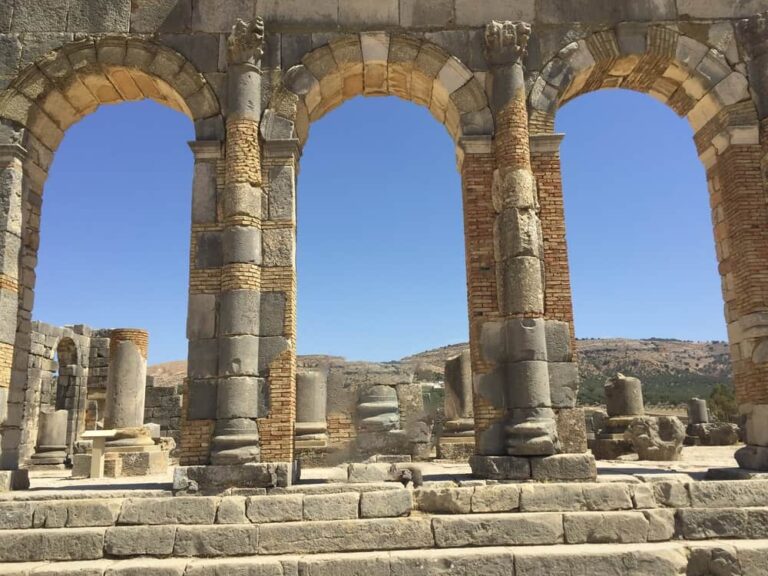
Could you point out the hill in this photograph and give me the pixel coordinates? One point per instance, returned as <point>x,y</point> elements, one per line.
<point>672,371</point>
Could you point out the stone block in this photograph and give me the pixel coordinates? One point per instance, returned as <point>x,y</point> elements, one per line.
<point>661,524</point>
<point>98,16</point>
<point>558,335</point>
<point>492,562</point>
<point>239,355</point>
<point>209,250</point>
<point>9,304</point>
<point>52,545</point>
<point>385,504</point>
<point>249,566</point>
<point>729,494</point>
<point>471,13</point>
<point>274,508</point>
<point>204,193</point>
<point>518,233</point>
<point>672,494</point>
<point>496,498</point>
<point>342,506</point>
<point>571,430</point>
<point>276,127</point>
<point>710,9</point>
<point>239,313</point>
<point>202,400</point>
<point>600,528</point>
<point>702,524</point>
<point>552,497</point>
<point>203,358</point>
<point>213,541</point>
<point>201,317</point>
<point>150,16</point>
<point>757,424</point>
<point>242,199</point>
<point>139,540</point>
<point>220,16</point>
<point>270,347</point>
<point>498,530</point>
<point>13,479</point>
<point>299,13</point>
<point>278,247</point>
<point>242,245</point>
<point>282,193</point>
<point>604,11</point>
<point>578,467</point>
<point>364,473</point>
<point>426,13</point>
<point>345,565</point>
<point>217,479</point>
<point>15,515</point>
<point>345,536</point>
<point>77,513</point>
<point>272,320</point>
<point>161,511</point>
<point>358,14</point>
<point>563,384</point>
<point>521,286</point>
<point>642,496</point>
<point>444,500</point>
<point>39,16</point>
<point>604,497</point>
<point>500,467</point>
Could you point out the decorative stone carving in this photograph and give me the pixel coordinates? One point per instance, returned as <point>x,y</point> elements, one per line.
<point>311,397</point>
<point>506,41</point>
<point>659,439</point>
<point>245,44</point>
<point>51,440</point>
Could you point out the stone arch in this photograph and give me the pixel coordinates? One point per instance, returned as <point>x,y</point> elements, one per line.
<point>708,84</point>
<point>698,81</point>
<point>62,87</point>
<point>378,64</point>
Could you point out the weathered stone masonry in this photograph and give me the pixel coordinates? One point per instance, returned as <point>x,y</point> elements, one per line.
<point>253,94</point>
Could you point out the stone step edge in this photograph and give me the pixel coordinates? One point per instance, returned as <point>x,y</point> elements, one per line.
<point>658,558</point>
<point>379,502</point>
<point>420,532</point>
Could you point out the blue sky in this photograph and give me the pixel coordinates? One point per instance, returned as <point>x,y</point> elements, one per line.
<point>381,251</point>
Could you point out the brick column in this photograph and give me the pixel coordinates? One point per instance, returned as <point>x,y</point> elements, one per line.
<point>558,303</point>
<point>739,194</point>
<point>12,396</point>
<point>236,437</point>
<point>517,344</point>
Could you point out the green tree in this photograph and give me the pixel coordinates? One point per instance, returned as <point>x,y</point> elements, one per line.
<point>722,403</point>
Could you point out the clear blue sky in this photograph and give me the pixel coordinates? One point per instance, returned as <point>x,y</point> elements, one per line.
<point>381,252</point>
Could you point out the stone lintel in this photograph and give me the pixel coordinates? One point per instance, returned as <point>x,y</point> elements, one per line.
<point>206,149</point>
<point>546,143</point>
<point>472,145</point>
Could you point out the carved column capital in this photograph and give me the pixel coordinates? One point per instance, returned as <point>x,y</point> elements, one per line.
<point>245,44</point>
<point>506,42</point>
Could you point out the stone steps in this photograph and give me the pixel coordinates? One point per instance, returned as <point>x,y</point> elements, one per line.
<point>737,558</point>
<point>420,531</point>
<point>346,519</point>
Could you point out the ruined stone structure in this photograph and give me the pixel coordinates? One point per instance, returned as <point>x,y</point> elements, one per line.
<point>458,439</point>
<point>624,403</point>
<point>494,73</point>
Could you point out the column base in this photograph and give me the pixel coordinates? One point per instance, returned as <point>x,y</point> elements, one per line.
<point>14,480</point>
<point>218,479</point>
<point>556,468</point>
<point>459,448</point>
<point>753,457</point>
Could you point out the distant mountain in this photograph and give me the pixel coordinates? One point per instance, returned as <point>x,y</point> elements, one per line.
<point>672,371</point>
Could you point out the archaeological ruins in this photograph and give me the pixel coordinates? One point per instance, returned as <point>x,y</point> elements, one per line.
<point>246,434</point>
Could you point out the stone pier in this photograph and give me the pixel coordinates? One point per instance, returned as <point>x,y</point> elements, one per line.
<point>458,439</point>
<point>51,449</point>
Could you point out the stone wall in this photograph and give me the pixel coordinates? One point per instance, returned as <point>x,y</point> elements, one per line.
<point>162,405</point>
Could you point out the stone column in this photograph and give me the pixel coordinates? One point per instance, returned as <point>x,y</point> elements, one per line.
<point>624,403</point>
<point>126,386</point>
<point>311,396</point>
<point>698,412</point>
<point>12,156</point>
<point>458,439</point>
<point>51,449</point>
<point>236,436</point>
<point>519,342</point>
